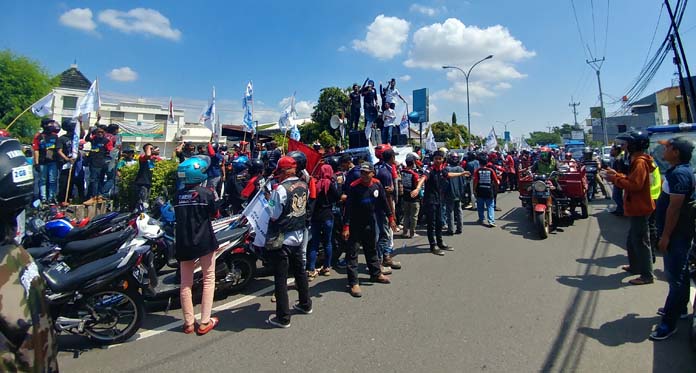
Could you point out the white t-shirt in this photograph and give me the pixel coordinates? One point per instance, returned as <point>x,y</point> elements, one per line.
<point>389,117</point>
<point>392,95</point>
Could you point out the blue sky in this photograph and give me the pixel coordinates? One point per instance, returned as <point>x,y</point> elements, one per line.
<point>158,49</point>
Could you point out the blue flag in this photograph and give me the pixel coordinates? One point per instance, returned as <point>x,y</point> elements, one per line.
<point>248,107</point>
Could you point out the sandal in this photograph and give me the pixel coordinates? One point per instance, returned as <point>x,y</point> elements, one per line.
<point>311,275</point>
<point>640,281</point>
<point>325,271</point>
<point>627,268</point>
<point>188,329</point>
<point>210,325</point>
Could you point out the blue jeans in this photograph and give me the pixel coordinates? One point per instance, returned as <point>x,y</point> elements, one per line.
<point>617,195</point>
<point>489,205</point>
<point>321,229</point>
<point>677,269</point>
<point>49,181</point>
<point>385,242</point>
<point>96,180</point>
<point>387,134</point>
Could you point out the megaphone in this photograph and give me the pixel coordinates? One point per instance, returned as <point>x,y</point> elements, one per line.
<point>335,121</point>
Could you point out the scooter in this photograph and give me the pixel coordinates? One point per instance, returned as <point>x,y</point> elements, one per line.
<point>591,175</point>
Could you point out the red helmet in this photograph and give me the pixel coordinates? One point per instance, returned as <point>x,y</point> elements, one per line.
<point>379,149</point>
<point>5,133</point>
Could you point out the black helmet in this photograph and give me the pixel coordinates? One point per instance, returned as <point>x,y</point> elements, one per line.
<point>300,158</point>
<point>453,159</point>
<point>635,140</point>
<point>256,166</point>
<point>16,177</point>
<point>223,148</point>
<point>333,161</point>
<point>483,158</point>
<point>68,125</point>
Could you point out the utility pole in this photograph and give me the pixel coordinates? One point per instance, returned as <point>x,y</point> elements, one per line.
<point>683,60</point>
<point>682,86</point>
<point>596,64</point>
<point>574,105</point>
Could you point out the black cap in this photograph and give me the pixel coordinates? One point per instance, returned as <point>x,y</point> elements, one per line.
<point>367,167</point>
<point>681,143</point>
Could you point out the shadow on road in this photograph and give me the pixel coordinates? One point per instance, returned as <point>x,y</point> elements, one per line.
<point>590,282</point>
<point>628,329</point>
<point>613,261</point>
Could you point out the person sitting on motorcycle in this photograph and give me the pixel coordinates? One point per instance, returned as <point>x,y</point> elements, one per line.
<point>27,338</point>
<point>569,157</point>
<point>545,164</point>
<point>590,159</point>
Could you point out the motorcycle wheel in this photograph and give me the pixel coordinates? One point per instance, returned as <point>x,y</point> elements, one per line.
<point>542,224</point>
<point>584,209</point>
<point>160,259</point>
<point>590,192</point>
<point>242,267</point>
<point>119,314</point>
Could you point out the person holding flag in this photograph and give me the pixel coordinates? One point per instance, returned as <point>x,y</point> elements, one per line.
<point>66,159</point>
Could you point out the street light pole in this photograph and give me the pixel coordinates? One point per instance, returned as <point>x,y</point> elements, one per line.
<point>466,77</point>
<point>505,124</point>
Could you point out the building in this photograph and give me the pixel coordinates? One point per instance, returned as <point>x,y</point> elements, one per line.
<point>663,107</point>
<point>140,121</point>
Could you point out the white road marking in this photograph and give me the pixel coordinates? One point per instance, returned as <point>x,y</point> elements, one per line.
<point>175,324</point>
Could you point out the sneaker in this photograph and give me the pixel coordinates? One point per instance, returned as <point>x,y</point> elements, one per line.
<point>491,224</point>
<point>448,233</point>
<point>479,222</point>
<point>382,279</point>
<point>301,310</point>
<point>458,231</point>
<point>497,209</point>
<point>445,247</point>
<point>273,321</point>
<point>661,312</point>
<point>436,251</point>
<point>662,332</point>
<point>389,262</point>
<point>414,234</point>
<point>386,270</point>
<point>342,264</point>
<point>355,291</point>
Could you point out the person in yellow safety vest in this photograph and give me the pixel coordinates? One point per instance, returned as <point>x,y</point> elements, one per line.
<point>655,189</point>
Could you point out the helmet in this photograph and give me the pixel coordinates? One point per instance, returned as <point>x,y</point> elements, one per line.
<point>4,133</point>
<point>635,140</point>
<point>256,166</point>
<point>453,159</point>
<point>52,127</point>
<point>16,177</point>
<point>300,158</point>
<point>223,148</point>
<point>216,147</point>
<point>568,156</point>
<point>193,171</point>
<point>333,161</point>
<point>443,150</point>
<point>68,125</point>
<point>483,158</point>
<point>240,164</point>
<point>380,149</point>
<point>545,156</point>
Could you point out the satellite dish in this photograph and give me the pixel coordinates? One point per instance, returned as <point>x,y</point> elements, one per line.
<point>335,121</point>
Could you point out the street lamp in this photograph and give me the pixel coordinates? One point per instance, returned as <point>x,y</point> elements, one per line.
<point>505,124</point>
<point>466,76</point>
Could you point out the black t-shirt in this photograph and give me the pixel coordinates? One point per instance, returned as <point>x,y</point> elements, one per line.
<point>48,148</point>
<point>65,145</point>
<point>98,154</point>
<point>363,203</point>
<point>355,100</point>
<point>323,208</point>
<point>144,176</point>
<point>194,231</point>
<point>370,98</point>
<point>435,186</point>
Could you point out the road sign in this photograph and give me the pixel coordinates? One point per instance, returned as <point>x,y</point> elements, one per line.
<point>421,104</point>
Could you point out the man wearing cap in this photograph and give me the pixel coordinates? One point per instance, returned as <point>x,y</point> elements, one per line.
<point>366,198</point>
<point>676,230</point>
<point>286,229</point>
<point>386,173</point>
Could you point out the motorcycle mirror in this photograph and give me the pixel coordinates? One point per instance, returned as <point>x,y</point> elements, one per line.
<point>36,203</point>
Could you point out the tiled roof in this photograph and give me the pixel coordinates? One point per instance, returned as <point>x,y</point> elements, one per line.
<point>73,78</point>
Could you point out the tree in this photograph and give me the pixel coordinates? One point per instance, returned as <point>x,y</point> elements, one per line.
<point>543,138</point>
<point>443,132</point>
<point>22,82</point>
<point>454,118</point>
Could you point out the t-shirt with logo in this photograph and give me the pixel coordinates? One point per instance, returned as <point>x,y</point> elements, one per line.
<point>485,179</point>
<point>99,153</point>
<point>47,148</point>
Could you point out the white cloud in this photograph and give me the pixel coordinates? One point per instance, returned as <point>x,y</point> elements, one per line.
<point>384,38</point>
<point>405,78</point>
<point>454,43</point>
<point>342,48</point>
<point>79,18</point>
<point>304,108</point>
<point>426,10</point>
<point>140,20</point>
<point>123,74</point>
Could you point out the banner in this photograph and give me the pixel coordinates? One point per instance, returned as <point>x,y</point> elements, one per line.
<point>430,143</point>
<point>144,129</point>
<point>42,107</point>
<point>491,141</point>
<point>403,126</point>
<point>313,157</point>
<point>258,216</point>
<point>248,107</point>
<point>285,121</point>
<point>208,115</point>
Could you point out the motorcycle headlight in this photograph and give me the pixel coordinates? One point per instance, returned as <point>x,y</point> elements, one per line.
<point>539,186</point>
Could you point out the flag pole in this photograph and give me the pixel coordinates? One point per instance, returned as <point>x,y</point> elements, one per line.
<point>18,116</point>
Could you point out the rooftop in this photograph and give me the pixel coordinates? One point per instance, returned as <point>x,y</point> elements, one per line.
<point>73,78</point>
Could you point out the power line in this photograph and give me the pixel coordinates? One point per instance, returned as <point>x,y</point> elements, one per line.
<point>577,24</point>
<point>606,32</point>
<point>594,27</point>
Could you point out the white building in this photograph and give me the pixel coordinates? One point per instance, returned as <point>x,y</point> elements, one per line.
<point>140,122</point>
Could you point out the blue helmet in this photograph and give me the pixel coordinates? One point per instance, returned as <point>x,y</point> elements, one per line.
<point>193,171</point>
<point>240,164</point>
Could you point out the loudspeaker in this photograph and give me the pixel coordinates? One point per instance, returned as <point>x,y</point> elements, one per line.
<point>399,139</point>
<point>357,139</point>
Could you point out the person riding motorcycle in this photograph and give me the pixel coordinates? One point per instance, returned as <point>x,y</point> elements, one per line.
<point>545,164</point>
<point>569,157</point>
<point>27,337</point>
<point>590,159</point>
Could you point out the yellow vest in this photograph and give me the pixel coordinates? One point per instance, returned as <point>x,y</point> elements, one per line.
<point>655,182</point>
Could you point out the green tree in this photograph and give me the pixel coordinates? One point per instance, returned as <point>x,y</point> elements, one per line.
<point>326,139</point>
<point>443,132</point>
<point>454,118</point>
<point>332,101</point>
<point>22,82</point>
<point>543,138</point>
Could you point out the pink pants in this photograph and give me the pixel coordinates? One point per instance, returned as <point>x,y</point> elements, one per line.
<point>208,268</point>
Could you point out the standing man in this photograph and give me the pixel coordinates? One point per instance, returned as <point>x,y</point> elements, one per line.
<point>47,160</point>
<point>485,185</point>
<point>454,194</point>
<point>471,165</point>
<point>391,94</point>
<point>65,160</point>
<point>366,198</point>
<point>638,205</point>
<point>370,104</point>
<point>510,171</point>
<point>389,118</point>
<point>676,231</point>
<point>354,108</point>
<point>274,155</point>
<point>143,180</point>
<point>286,230</point>
<point>411,205</point>
<point>435,181</point>
<point>98,157</point>
<point>385,172</point>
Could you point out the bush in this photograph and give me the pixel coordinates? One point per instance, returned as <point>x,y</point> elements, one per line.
<point>163,177</point>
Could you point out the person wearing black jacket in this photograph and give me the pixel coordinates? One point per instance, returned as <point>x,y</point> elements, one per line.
<point>454,195</point>
<point>366,199</point>
<point>322,222</point>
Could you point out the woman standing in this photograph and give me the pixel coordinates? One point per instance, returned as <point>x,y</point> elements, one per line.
<point>322,221</point>
<point>195,241</point>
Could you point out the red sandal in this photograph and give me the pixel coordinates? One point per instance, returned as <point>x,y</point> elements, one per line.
<point>188,329</point>
<point>205,328</point>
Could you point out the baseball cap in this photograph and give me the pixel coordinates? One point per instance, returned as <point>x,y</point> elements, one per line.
<point>681,143</point>
<point>367,167</point>
<point>285,163</point>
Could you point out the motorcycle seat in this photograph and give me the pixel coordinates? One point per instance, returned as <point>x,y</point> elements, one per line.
<point>61,278</point>
<point>41,251</point>
<point>105,243</point>
<point>230,234</point>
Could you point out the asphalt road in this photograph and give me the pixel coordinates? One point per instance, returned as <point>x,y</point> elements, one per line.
<point>503,301</point>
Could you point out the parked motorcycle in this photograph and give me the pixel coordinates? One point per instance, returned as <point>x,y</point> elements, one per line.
<point>591,175</point>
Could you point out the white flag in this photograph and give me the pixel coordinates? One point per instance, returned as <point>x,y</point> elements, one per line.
<point>90,102</point>
<point>208,115</point>
<point>430,143</point>
<point>491,141</point>
<point>42,107</point>
<point>285,121</point>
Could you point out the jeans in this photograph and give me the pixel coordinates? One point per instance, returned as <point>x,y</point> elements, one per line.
<point>110,183</point>
<point>289,259</point>
<point>489,205</point>
<point>387,134</point>
<point>638,247</point>
<point>617,194</point>
<point>96,180</point>
<point>208,270</point>
<point>410,215</point>
<point>49,181</point>
<point>385,242</point>
<point>434,219</point>
<point>322,231</point>
<point>362,235</point>
<point>453,207</point>
<point>354,118</point>
<point>677,269</point>
<point>142,195</point>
